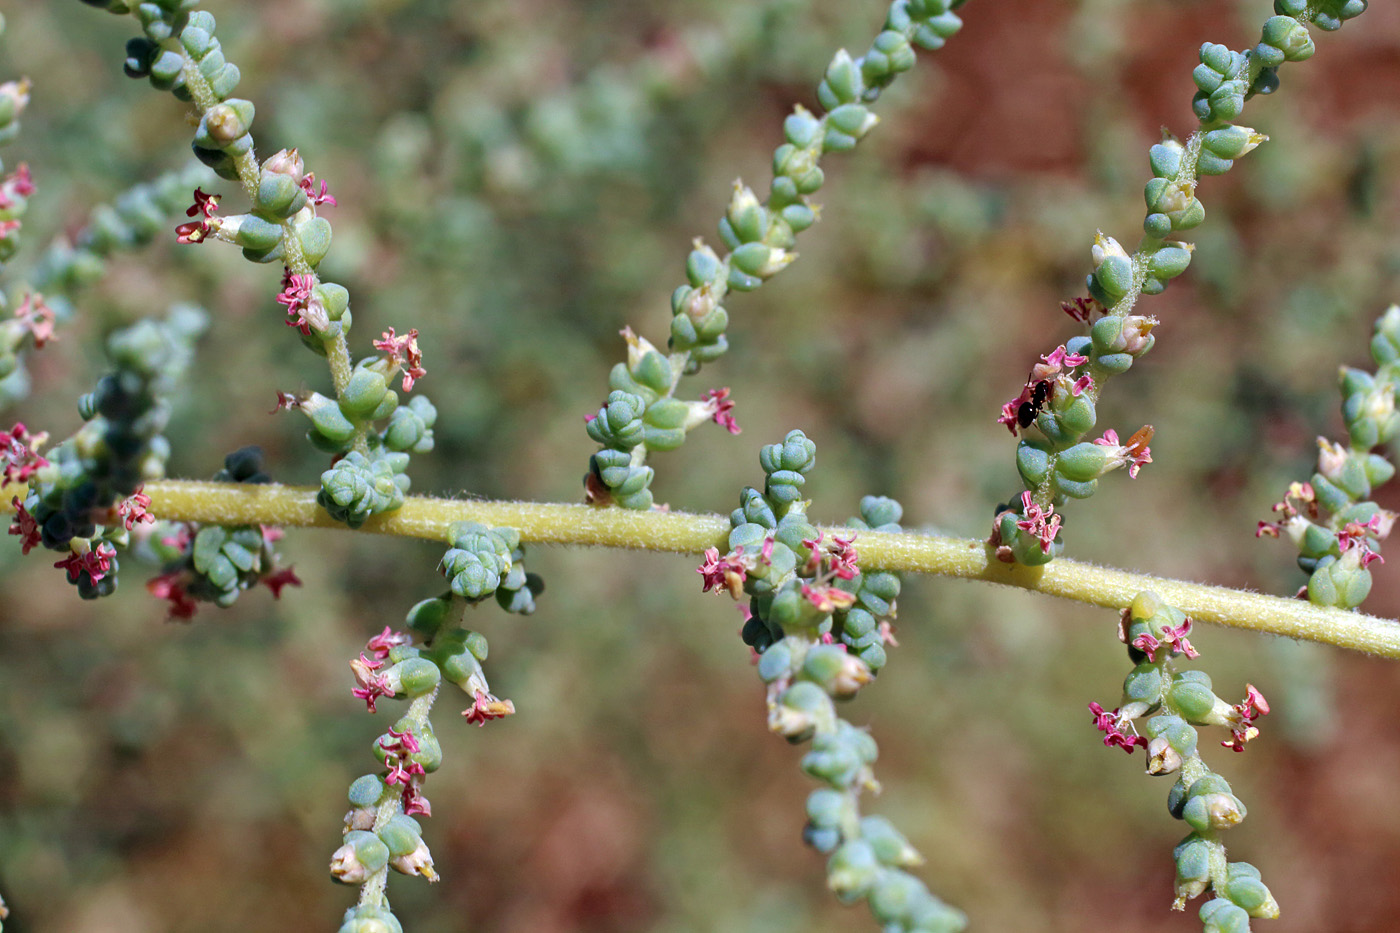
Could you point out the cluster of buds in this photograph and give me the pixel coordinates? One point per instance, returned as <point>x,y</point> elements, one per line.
<point>1168,705</point>
<point>1026,533</point>
<point>796,578</point>
<point>820,625</point>
<point>380,830</point>
<point>212,564</point>
<point>372,434</point>
<point>640,414</point>
<point>83,497</point>
<point>19,454</point>
<point>15,189</point>
<point>484,562</point>
<point>133,219</point>
<point>366,402</point>
<point>1331,518</point>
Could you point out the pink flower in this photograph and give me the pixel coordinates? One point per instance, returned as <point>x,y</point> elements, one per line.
<point>1043,524</point>
<point>205,205</point>
<point>1060,358</point>
<point>286,402</point>
<point>171,586</point>
<point>845,558</point>
<point>1148,645</point>
<point>371,686</point>
<point>827,598</point>
<point>37,317</point>
<point>132,509</point>
<point>486,707</point>
<point>1008,414</point>
<point>414,803</point>
<point>1082,309</point>
<point>1175,639</point>
<point>197,231</point>
<point>95,563</point>
<point>276,581</point>
<point>308,184</point>
<point>1134,454</point>
<point>1111,726</point>
<point>19,458</point>
<point>1245,712</point>
<point>387,640</point>
<point>887,633</point>
<point>25,526</point>
<point>403,354</point>
<point>17,184</point>
<point>406,743</point>
<point>304,309</point>
<point>723,574</point>
<point>1359,535</point>
<point>723,414</point>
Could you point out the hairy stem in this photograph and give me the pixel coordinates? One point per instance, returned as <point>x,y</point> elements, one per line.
<point>555,523</point>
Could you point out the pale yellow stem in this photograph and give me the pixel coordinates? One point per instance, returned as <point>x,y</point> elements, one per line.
<point>680,532</point>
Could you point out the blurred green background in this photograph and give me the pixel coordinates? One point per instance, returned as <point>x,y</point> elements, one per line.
<point>519,179</point>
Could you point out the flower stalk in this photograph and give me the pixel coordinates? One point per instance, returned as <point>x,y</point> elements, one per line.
<point>684,533</point>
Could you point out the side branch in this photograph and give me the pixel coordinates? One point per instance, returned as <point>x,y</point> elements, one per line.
<point>555,523</point>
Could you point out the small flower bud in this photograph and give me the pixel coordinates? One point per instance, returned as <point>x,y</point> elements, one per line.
<point>1213,811</point>
<point>362,855</point>
<point>888,843</point>
<point>852,870</point>
<point>286,162</point>
<point>798,711</point>
<point>1162,758</point>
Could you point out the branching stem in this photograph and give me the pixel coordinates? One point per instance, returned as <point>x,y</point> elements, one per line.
<point>679,532</point>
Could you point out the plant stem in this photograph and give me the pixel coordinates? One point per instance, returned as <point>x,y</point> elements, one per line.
<point>680,532</point>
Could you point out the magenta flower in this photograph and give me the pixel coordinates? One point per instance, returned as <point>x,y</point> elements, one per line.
<point>96,563</point>
<point>25,526</point>
<point>1082,309</point>
<point>281,578</point>
<point>1359,535</point>
<point>132,509</point>
<point>19,458</point>
<point>403,354</point>
<point>1060,358</point>
<point>37,317</point>
<point>1134,454</point>
<point>402,743</point>
<point>1148,645</point>
<point>171,587</point>
<point>371,686</point>
<point>414,803</point>
<point>1043,524</point>
<point>204,207</point>
<point>726,574</point>
<point>827,598</point>
<point>1245,712</point>
<point>1111,726</point>
<point>380,645</point>
<point>17,184</point>
<point>1175,639</point>
<point>308,184</point>
<point>486,707</point>
<point>723,409</point>
<point>303,308</point>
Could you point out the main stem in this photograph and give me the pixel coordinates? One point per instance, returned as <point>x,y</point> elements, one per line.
<point>684,533</point>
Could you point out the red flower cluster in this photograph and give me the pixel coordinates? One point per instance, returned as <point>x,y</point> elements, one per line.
<point>1109,724</point>
<point>404,354</point>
